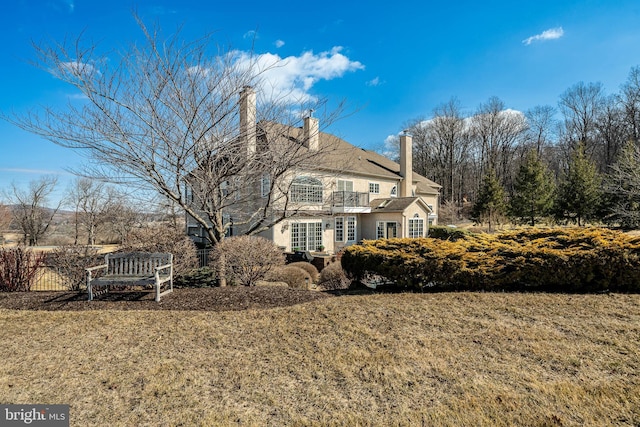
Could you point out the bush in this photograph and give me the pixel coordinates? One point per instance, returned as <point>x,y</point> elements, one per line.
<point>71,260</point>
<point>333,277</point>
<point>295,277</point>
<point>203,277</point>
<point>447,233</point>
<point>309,268</point>
<point>162,238</point>
<point>18,269</point>
<point>246,259</point>
<point>555,260</point>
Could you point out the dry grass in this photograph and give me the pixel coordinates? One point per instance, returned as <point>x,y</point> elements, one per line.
<point>456,359</point>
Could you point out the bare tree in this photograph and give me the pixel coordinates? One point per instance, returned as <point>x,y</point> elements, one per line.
<point>5,220</point>
<point>32,215</point>
<point>91,201</point>
<point>165,117</point>
<point>496,132</point>
<point>440,148</point>
<point>541,127</point>
<point>612,132</point>
<point>630,98</point>
<point>581,105</point>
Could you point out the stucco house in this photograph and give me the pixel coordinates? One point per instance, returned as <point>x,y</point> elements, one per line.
<point>345,195</point>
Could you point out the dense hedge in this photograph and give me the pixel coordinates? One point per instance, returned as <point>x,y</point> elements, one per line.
<point>555,260</point>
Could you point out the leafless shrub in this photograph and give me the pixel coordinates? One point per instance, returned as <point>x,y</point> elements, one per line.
<point>162,238</point>
<point>246,259</point>
<point>295,277</point>
<point>309,268</point>
<point>71,260</point>
<point>333,277</point>
<point>18,269</point>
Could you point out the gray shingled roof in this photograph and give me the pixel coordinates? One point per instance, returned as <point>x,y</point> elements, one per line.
<point>344,156</point>
<point>393,204</point>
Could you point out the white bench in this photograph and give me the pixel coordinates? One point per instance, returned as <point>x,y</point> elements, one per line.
<point>133,269</point>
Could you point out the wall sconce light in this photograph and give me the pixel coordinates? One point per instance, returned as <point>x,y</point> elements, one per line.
<point>284,227</point>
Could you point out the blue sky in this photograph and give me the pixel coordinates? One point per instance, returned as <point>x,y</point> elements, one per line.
<point>391,61</point>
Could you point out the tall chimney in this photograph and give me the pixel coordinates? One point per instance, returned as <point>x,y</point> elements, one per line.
<point>406,165</point>
<point>310,133</point>
<point>248,118</point>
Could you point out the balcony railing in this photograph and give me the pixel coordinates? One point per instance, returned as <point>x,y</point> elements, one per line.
<point>349,199</point>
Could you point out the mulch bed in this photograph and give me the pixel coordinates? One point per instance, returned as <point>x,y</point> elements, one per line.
<point>231,298</point>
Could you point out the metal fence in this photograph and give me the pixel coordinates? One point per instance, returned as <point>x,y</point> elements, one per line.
<point>203,257</point>
<point>51,278</point>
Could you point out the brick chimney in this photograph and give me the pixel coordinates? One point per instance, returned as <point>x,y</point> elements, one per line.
<point>311,133</point>
<point>248,118</point>
<point>406,165</point>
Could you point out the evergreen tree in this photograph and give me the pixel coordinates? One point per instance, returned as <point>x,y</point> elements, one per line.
<point>580,191</point>
<point>622,188</point>
<point>490,206</point>
<point>533,190</point>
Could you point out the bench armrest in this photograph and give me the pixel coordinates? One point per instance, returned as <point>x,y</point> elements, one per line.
<point>96,267</point>
<point>162,267</point>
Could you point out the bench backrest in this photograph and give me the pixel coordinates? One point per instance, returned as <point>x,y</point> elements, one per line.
<point>136,263</point>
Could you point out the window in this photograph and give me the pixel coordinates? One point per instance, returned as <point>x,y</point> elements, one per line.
<point>306,236</point>
<point>339,229</point>
<point>386,229</point>
<point>265,185</point>
<point>344,185</point>
<point>374,188</point>
<point>351,228</point>
<point>416,227</point>
<point>394,191</point>
<point>306,189</point>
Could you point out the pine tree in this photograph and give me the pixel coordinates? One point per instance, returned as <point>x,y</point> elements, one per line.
<point>490,205</point>
<point>533,190</point>
<point>622,188</point>
<point>580,192</point>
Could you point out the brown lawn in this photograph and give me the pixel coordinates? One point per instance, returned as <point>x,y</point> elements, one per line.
<point>458,359</point>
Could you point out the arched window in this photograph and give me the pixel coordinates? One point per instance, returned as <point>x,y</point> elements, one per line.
<point>306,189</point>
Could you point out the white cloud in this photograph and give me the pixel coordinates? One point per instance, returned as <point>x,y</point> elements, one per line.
<point>550,34</point>
<point>291,78</point>
<point>375,82</point>
<point>279,43</point>
<point>252,34</point>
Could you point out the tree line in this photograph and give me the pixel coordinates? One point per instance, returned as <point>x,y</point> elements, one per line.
<point>575,162</point>
<point>95,212</point>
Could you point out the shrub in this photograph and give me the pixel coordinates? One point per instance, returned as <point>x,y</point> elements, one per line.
<point>557,260</point>
<point>162,238</point>
<point>71,260</point>
<point>246,259</point>
<point>18,269</point>
<point>203,277</point>
<point>309,268</point>
<point>447,233</point>
<point>333,277</point>
<point>295,277</point>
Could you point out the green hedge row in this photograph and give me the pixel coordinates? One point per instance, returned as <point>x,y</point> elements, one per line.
<point>553,260</point>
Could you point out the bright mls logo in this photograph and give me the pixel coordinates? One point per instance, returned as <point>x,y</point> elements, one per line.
<point>34,415</point>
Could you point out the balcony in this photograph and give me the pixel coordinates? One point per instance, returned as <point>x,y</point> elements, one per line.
<point>350,202</point>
